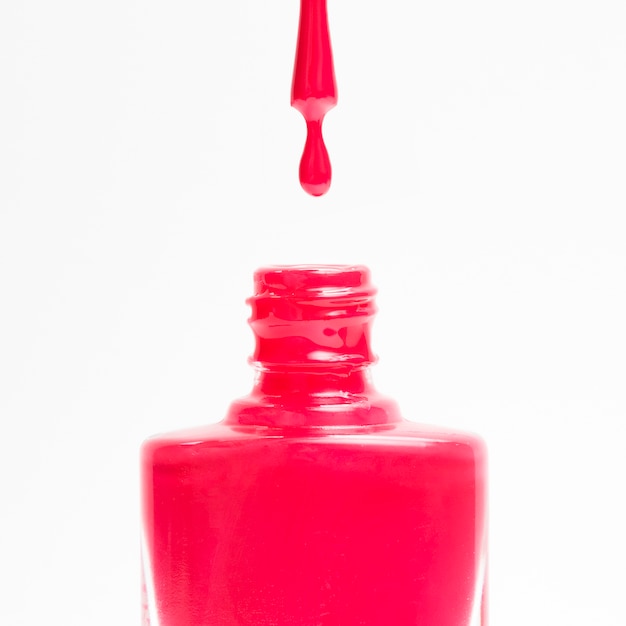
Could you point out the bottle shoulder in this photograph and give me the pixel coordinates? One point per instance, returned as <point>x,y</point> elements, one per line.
<point>403,433</point>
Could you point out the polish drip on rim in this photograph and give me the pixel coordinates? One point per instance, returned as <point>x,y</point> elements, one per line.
<point>307,316</point>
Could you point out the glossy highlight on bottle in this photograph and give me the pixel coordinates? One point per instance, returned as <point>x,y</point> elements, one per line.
<point>314,93</point>
<point>313,502</point>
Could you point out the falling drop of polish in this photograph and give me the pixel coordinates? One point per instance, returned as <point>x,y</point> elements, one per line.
<point>315,170</point>
<point>314,93</point>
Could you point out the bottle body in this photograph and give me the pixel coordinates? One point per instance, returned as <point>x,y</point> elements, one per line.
<point>313,503</point>
<point>259,526</point>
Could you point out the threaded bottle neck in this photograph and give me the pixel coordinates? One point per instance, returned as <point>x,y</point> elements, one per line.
<point>312,330</point>
<point>312,318</point>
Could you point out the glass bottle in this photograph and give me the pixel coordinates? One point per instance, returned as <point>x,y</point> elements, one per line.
<point>313,502</point>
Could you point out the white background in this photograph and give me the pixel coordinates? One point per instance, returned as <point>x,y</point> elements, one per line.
<point>148,164</point>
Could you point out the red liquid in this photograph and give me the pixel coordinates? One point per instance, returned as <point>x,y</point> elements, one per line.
<point>314,92</point>
<point>314,503</point>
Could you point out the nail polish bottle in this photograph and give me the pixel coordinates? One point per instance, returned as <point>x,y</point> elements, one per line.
<point>313,502</point>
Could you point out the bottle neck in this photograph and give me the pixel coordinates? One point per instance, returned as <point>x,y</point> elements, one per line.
<point>338,346</point>
<point>312,348</point>
<point>313,387</point>
<point>313,365</point>
<point>289,398</point>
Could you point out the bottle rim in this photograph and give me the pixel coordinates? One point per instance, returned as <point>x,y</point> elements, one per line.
<point>324,286</point>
